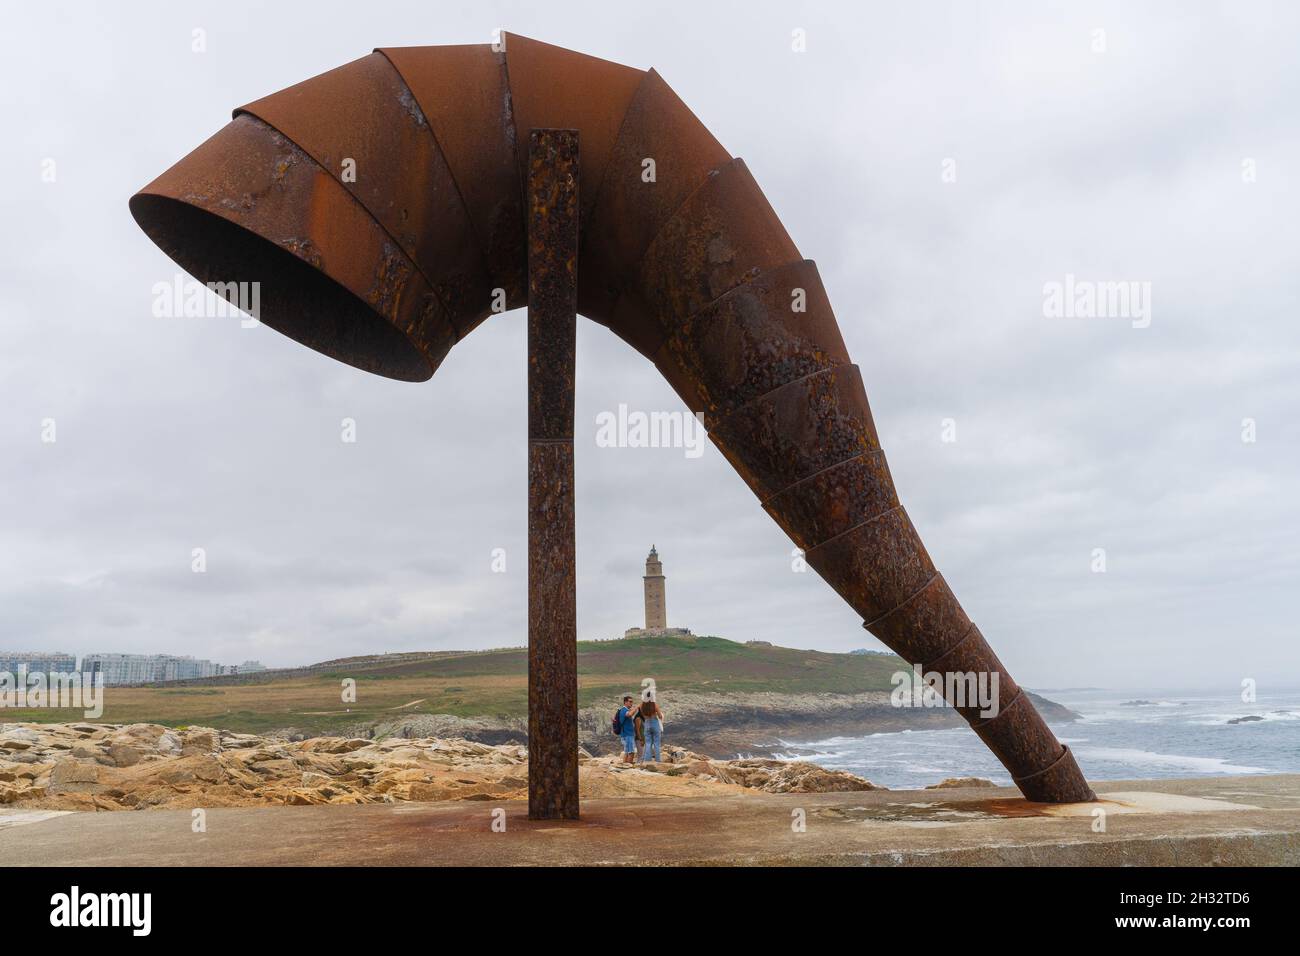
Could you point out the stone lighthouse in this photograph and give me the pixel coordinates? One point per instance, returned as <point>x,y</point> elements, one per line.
<point>656,613</point>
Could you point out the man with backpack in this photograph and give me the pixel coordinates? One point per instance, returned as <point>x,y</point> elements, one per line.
<point>624,726</point>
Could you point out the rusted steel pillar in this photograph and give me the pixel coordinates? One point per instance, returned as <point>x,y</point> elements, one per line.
<point>552,588</point>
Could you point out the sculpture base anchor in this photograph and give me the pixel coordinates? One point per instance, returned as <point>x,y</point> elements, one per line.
<point>1041,766</point>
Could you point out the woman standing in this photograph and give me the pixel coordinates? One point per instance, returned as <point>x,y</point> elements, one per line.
<point>652,726</point>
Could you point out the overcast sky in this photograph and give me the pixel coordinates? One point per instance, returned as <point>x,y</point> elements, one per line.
<point>1164,151</point>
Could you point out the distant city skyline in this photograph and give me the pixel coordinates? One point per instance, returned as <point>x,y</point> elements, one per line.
<point>122,668</point>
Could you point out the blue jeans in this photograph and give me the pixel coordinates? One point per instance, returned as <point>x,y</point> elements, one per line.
<point>629,743</point>
<point>652,731</point>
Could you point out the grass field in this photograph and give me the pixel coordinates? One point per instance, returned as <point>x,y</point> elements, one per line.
<point>491,683</point>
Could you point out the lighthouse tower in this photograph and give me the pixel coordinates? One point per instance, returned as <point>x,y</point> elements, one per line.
<point>656,614</point>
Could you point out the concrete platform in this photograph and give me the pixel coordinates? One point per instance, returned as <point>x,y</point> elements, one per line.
<point>1243,821</point>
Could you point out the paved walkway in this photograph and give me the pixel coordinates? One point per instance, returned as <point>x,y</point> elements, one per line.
<point>1250,821</point>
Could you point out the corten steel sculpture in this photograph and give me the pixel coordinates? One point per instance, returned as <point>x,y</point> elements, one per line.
<point>692,269</point>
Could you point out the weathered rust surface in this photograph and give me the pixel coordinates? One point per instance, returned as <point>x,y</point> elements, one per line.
<point>361,124</point>
<point>797,430</point>
<point>553,197</point>
<point>464,94</point>
<point>927,624</point>
<point>552,281</point>
<point>972,655</point>
<point>724,235</point>
<point>636,199</point>
<point>552,634</point>
<point>694,270</point>
<point>360,300</point>
<point>1060,782</point>
<point>1039,764</point>
<point>834,500</point>
<point>752,340</point>
<point>876,566</point>
<point>552,87</point>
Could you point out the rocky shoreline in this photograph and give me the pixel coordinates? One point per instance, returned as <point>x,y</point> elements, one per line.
<point>715,744</point>
<point>107,767</point>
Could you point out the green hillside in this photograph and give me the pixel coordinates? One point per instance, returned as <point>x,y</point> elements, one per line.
<point>483,683</point>
<point>685,663</point>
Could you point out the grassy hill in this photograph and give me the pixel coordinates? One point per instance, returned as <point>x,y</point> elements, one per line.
<point>484,683</point>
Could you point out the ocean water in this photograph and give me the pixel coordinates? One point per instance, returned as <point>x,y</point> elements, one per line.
<point>1173,735</point>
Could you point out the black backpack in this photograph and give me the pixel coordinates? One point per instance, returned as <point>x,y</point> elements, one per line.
<point>617,723</point>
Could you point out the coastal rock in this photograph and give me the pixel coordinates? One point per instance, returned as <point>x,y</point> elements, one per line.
<point>72,775</point>
<point>14,737</point>
<point>232,741</point>
<point>199,742</point>
<point>25,757</point>
<point>124,755</point>
<point>142,766</point>
<point>778,776</point>
<point>335,745</point>
<point>953,783</point>
<point>275,767</point>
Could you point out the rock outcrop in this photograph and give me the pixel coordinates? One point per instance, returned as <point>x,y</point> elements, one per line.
<point>781,776</point>
<point>958,783</point>
<point>89,766</point>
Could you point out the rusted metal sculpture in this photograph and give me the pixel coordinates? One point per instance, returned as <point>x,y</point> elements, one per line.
<point>680,255</point>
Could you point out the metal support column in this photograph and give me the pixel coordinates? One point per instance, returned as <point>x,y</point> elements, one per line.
<point>552,588</point>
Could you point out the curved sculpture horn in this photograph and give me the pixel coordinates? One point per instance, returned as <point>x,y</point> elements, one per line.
<point>380,205</point>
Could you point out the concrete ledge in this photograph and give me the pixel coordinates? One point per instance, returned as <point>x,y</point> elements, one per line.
<point>1243,821</point>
